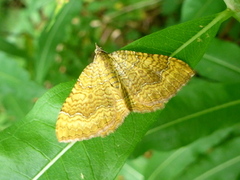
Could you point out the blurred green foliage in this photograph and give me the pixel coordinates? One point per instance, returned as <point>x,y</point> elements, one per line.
<point>44,43</point>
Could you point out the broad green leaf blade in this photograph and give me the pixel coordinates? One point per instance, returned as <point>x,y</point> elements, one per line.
<point>221,57</point>
<point>98,158</point>
<point>215,156</point>
<point>199,109</point>
<point>27,146</point>
<point>222,161</point>
<point>53,34</point>
<point>192,9</point>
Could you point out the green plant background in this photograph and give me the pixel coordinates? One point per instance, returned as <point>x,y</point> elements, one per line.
<point>44,43</point>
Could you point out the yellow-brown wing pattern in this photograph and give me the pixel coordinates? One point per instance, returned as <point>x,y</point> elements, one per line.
<point>95,106</point>
<point>149,79</point>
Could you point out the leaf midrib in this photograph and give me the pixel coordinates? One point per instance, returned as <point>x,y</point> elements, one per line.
<point>193,115</point>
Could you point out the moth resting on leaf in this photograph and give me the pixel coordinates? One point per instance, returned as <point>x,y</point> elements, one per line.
<point>115,84</point>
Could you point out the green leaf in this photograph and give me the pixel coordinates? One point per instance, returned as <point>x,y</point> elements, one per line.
<point>187,41</point>
<point>213,167</point>
<point>17,91</point>
<point>11,49</point>
<point>53,34</point>
<point>199,109</point>
<point>212,157</point>
<point>193,9</point>
<point>221,57</point>
<point>29,149</point>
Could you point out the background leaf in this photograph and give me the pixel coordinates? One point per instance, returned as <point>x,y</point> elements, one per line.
<point>52,36</point>
<point>200,159</point>
<point>16,90</point>
<point>11,49</point>
<point>221,57</point>
<point>194,9</point>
